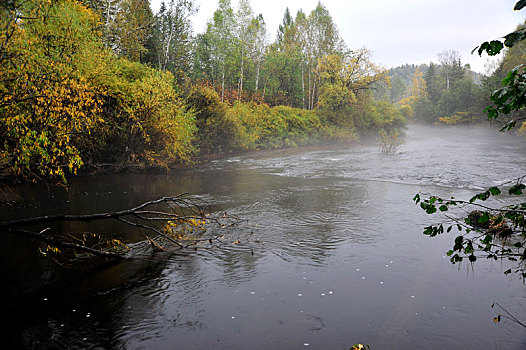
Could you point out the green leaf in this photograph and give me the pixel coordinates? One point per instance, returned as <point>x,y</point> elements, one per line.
<point>443,208</point>
<point>429,208</point>
<point>450,252</point>
<point>495,191</point>
<point>472,258</point>
<point>492,112</point>
<point>513,38</point>
<point>492,48</point>
<point>517,189</point>
<point>495,47</point>
<point>487,239</point>
<point>483,219</point>
<point>416,198</point>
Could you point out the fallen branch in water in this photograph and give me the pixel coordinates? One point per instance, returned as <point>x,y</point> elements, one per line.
<point>179,220</point>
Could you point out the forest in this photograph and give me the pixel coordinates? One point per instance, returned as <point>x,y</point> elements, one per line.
<point>105,84</point>
<point>102,84</point>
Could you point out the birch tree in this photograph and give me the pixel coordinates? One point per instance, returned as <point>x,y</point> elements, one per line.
<point>174,36</point>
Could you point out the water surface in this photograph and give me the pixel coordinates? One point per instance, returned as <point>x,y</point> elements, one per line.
<point>331,254</point>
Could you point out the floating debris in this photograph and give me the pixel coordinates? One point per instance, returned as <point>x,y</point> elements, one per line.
<point>252,293</point>
<point>300,295</point>
<point>322,294</point>
<point>330,292</point>
<point>381,282</point>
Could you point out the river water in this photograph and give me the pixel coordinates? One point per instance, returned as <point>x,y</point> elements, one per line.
<point>330,254</point>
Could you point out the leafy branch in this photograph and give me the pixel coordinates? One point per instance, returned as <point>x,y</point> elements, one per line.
<point>494,233</point>
<point>180,221</point>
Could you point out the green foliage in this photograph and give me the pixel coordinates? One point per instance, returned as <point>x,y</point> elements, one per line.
<point>493,233</point>
<point>511,97</point>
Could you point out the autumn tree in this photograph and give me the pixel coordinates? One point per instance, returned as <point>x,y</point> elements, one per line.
<point>321,38</point>
<point>51,61</point>
<point>346,82</point>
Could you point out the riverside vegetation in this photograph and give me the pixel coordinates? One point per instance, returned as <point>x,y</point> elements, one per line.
<point>95,84</point>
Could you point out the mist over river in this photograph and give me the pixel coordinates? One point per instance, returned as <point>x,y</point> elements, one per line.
<point>331,253</point>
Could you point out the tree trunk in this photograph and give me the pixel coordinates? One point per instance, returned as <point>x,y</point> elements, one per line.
<point>241,77</point>
<point>302,87</point>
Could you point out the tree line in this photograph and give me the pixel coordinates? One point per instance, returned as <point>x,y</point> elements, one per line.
<point>448,91</point>
<point>109,83</point>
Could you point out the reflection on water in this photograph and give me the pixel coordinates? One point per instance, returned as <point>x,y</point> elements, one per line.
<point>330,254</point>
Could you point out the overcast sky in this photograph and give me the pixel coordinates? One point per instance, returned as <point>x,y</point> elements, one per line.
<point>397,31</point>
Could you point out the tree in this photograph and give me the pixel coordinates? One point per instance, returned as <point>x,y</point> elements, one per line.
<point>127,26</point>
<point>173,33</point>
<point>284,64</point>
<point>397,90</point>
<point>345,96</point>
<point>51,61</point>
<point>219,39</point>
<point>321,38</point>
<point>258,47</point>
<point>431,83</point>
<point>488,231</point>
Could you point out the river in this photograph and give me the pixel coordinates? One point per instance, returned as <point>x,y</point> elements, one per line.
<point>331,253</point>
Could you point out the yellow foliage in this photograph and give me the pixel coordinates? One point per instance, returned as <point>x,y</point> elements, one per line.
<point>47,90</point>
<point>458,118</point>
<point>185,230</point>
